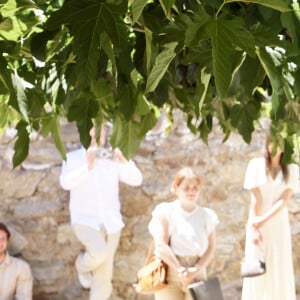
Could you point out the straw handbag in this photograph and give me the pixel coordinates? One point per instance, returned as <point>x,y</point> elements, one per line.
<point>153,275</point>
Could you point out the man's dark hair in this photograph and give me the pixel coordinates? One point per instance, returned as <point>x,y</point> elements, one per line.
<point>4,228</point>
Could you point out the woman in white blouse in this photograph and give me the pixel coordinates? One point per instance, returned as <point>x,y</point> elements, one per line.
<point>184,236</point>
<point>271,183</point>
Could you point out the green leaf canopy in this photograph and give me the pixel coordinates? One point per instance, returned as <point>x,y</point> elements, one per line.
<point>126,61</point>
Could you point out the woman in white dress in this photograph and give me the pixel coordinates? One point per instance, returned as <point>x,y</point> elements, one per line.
<point>272,184</point>
<point>184,236</point>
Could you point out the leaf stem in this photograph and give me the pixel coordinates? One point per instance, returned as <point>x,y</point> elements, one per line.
<point>219,10</point>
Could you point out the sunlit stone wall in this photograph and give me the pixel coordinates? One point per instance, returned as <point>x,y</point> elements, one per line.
<point>36,208</point>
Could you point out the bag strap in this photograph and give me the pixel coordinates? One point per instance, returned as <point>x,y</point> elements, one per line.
<point>150,252</point>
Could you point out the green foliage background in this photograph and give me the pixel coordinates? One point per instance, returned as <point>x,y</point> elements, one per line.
<point>127,61</point>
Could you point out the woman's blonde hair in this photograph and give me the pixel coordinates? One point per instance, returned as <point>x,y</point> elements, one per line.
<point>185,173</point>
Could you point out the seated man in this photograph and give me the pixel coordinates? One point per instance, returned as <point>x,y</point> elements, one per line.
<point>15,274</point>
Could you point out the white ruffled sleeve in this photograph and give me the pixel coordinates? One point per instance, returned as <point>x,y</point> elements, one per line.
<point>293,179</point>
<point>212,220</point>
<point>160,210</point>
<point>255,173</point>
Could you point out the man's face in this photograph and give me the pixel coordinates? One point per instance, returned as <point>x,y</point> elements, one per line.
<point>3,242</point>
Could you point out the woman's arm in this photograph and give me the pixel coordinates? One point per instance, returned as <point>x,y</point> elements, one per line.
<point>254,212</point>
<point>161,240</point>
<point>209,253</point>
<point>189,275</point>
<point>281,202</point>
<point>256,203</point>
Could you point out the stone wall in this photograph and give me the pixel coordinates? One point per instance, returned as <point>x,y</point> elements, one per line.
<point>35,207</point>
